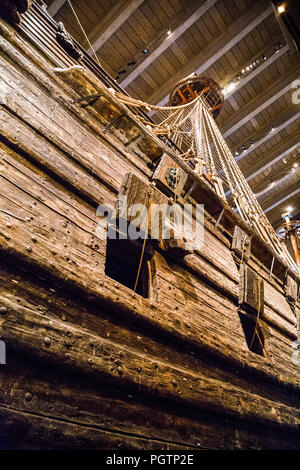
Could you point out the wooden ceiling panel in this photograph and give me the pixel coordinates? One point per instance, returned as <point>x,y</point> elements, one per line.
<point>86,16</point>
<point>275,195</point>
<point>275,146</point>
<point>149,16</point>
<point>228,10</point>
<point>277,178</point>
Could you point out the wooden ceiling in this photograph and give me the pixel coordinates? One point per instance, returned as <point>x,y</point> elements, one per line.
<point>148,46</point>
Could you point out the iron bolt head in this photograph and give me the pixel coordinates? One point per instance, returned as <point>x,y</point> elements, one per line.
<point>28,396</point>
<point>47,341</point>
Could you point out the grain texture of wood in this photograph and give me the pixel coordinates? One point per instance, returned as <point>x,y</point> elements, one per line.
<point>113,419</point>
<point>92,364</point>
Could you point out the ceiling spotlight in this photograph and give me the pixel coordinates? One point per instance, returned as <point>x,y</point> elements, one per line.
<point>273,129</point>
<point>289,209</point>
<point>295,165</point>
<point>168,31</point>
<point>231,86</point>
<point>281,9</point>
<point>243,71</point>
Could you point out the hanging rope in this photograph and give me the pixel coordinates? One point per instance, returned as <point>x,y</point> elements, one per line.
<point>256,332</point>
<point>140,264</point>
<point>83,31</point>
<point>143,249</point>
<point>193,129</point>
<point>198,139</point>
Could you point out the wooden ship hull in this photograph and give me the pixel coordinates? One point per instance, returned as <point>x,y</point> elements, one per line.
<point>90,364</point>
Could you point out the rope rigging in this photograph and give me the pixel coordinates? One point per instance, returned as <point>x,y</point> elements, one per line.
<point>189,121</point>
<point>199,141</point>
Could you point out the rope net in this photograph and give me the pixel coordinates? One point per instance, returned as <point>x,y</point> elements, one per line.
<point>200,144</point>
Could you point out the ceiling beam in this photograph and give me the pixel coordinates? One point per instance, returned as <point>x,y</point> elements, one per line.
<point>276,183</point>
<point>222,44</point>
<point>283,199</point>
<point>116,16</point>
<point>267,133</point>
<point>246,79</point>
<point>163,41</point>
<point>292,144</point>
<point>260,102</point>
<point>283,168</point>
<point>55,7</point>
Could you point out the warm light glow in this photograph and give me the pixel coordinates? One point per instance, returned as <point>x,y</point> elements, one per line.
<point>168,32</point>
<point>289,209</point>
<point>295,165</point>
<point>231,86</point>
<point>281,9</point>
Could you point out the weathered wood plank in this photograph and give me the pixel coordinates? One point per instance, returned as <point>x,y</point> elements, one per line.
<point>25,332</point>
<point>37,295</point>
<point>117,413</point>
<point>183,346</point>
<point>60,266</point>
